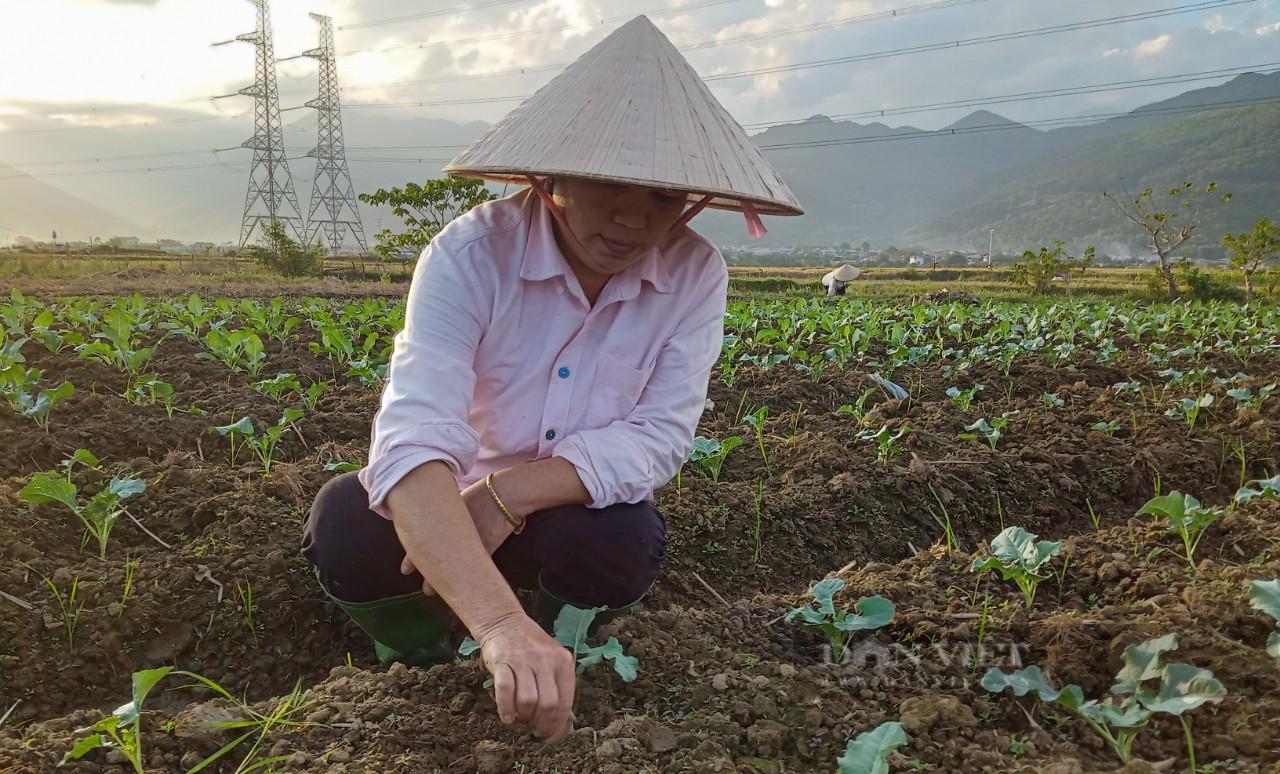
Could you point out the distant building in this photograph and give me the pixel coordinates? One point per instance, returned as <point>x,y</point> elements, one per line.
<point>117,241</point>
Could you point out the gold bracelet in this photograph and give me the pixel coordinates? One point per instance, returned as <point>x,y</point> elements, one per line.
<point>518,524</point>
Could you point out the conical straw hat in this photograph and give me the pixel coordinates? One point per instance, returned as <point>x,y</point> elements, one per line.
<point>631,110</point>
<point>844,273</point>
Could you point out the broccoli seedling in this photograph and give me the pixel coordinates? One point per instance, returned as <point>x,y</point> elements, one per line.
<point>264,444</point>
<point>964,398</point>
<point>869,752</point>
<point>1265,597</point>
<point>570,630</point>
<point>709,454</point>
<point>1118,719</point>
<point>120,730</point>
<point>886,442</point>
<point>1018,557</point>
<point>1245,397</point>
<point>1259,487</point>
<point>98,515</point>
<point>1190,408</point>
<point>873,613</point>
<point>991,431</point>
<point>1185,517</point>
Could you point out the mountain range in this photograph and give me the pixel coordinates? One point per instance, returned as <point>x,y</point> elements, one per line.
<point>858,181</point>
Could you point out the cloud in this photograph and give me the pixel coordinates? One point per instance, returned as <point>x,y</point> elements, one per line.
<point>1153,46</point>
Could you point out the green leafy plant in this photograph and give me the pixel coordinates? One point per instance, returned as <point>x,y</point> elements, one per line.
<point>756,420</point>
<point>886,441</point>
<point>121,730</point>
<point>1052,401</point>
<point>964,398</point>
<point>1018,557</point>
<point>98,515</point>
<point>240,350</point>
<point>1265,597</point>
<point>1259,487</point>
<point>857,409</point>
<point>20,386</point>
<point>992,432</point>
<point>264,444</point>
<point>570,629</point>
<point>709,454</point>
<point>1109,427</point>
<point>1178,688</point>
<point>1247,398</point>
<point>1190,409</point>
<point>245,592</point>
<point>869,752</point>
<point>278,386</point>
<point>70,605</point>
<point>237,433</point>
<point>150,389</point>
<point>1185,516</point>
<point>872,613</point>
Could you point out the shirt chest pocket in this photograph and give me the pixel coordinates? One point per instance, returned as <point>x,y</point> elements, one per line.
<point>615,391</point>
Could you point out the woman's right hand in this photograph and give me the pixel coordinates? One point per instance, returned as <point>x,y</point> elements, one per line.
<point>533,676</point>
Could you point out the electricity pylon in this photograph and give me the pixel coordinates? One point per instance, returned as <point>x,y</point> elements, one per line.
<point>332,189</point>
<point>270,195</point>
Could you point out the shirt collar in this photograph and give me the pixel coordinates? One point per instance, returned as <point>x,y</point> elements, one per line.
<point>543,260</point>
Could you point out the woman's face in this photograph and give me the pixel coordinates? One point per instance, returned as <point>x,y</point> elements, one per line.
<point>616,223</point>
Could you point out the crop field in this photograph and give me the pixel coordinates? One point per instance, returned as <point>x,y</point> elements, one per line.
<point>938,537</point>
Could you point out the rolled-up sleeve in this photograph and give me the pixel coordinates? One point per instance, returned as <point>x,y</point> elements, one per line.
<point>627,460</point>
<point>431,377</point>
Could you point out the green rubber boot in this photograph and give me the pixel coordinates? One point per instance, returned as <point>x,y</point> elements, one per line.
<point>411,628</point>
<point>547,605</point>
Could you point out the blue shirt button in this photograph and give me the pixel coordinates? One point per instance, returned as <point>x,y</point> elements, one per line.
<point>564,372</point>
<point>551,435</point>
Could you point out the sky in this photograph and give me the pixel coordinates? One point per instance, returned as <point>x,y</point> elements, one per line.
<point>110,62</point>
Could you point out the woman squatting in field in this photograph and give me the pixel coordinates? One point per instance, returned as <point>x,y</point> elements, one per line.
<point>550,376</point>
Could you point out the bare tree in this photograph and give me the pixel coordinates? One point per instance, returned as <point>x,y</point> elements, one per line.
<point>1168,225</point>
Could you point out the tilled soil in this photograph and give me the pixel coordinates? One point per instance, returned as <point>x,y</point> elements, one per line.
<point>721,688</point>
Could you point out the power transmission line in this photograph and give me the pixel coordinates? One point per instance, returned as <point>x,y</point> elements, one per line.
<point>1109,21</point>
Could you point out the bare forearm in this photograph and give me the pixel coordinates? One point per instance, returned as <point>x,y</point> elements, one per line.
<point>440,538</point>
<point>541,484</point>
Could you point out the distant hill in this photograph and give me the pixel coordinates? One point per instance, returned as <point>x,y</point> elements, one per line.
<point>35,209</point>
<point>897,186</point>
<point>1059,197</point>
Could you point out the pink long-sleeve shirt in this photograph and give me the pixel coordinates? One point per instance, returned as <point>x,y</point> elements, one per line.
<point>502,360</point>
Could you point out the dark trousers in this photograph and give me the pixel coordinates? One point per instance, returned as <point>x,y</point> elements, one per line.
<point>590,558</point>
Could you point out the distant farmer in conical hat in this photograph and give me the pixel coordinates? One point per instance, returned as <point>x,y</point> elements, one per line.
<point>836,280</point>
<point>550,376</point>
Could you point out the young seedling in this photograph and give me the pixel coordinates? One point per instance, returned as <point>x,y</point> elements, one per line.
<point>857,409</point>
<point>264,444</point>
<point>756,420</point>
<point>869,752</point>
<point>130,570</point>
<point>279,386</point>
<point>150,389</point>
<point>1118,719</point>
<point>1260,487</point>
<point>1264,596</point>
<point>964,398</point>
<point>886,442</point>
<point>237,433</point>
<point>1190,408</point>
<point>121,730</point>
<point>709,454</point>
<point>81,457</point>
<point>570,629</point>
<point>991,431</point>
<point>98,515</point>
<point>69,605</point>
<point>1247,398</point>
<point>1052,401</point>
<point>1018,557</point>
<point>1108,427</point>
<point>1185,516</point>
<point>873,613</point>
<point>311,396</point>
<point>245,592</point>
